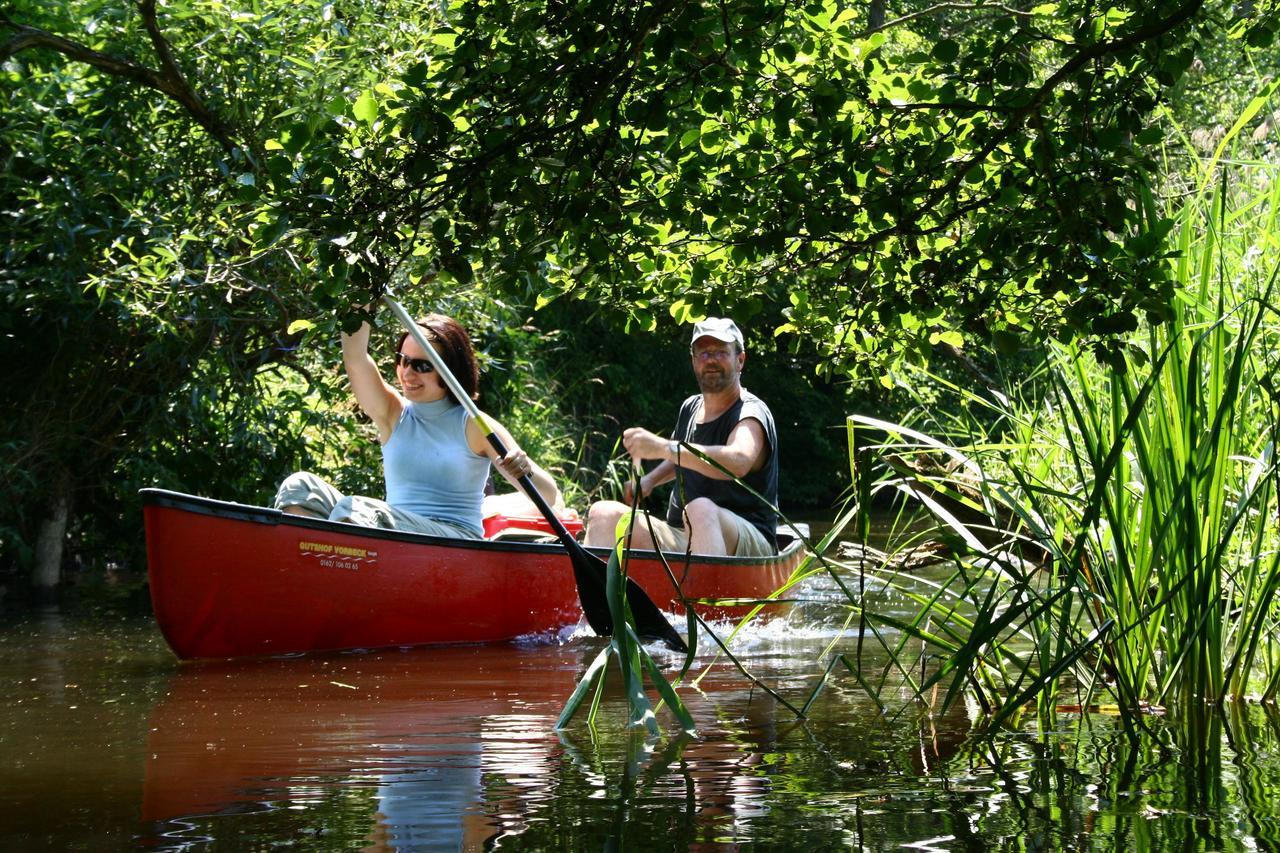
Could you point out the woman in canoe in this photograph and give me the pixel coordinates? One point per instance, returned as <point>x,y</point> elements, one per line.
<point>435,458</point>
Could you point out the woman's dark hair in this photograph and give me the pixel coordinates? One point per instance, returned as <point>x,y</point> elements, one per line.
<point>456,350</point>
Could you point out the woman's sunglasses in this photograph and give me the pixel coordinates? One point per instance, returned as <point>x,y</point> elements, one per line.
<point>418,365</point>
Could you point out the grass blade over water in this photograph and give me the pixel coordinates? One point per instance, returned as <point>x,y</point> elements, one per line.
<point>1110,531</point>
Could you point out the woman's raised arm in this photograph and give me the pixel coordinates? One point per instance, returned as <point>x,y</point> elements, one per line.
<point>375,397</point>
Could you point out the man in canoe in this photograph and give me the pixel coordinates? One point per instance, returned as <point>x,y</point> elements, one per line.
<point>435,457</point>
<point>708,512</point>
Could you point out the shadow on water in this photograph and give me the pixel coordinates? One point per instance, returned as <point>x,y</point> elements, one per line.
<point>107,742</point>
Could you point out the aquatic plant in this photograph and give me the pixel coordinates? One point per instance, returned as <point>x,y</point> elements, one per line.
<point>1112,528</point>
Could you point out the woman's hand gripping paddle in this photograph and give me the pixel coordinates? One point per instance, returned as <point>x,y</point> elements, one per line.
<point>588,569</point>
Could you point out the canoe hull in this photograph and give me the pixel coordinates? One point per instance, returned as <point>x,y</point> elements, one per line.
<point>229,580</point>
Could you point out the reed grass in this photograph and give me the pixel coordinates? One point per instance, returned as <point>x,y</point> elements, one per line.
<point>1114,532</point>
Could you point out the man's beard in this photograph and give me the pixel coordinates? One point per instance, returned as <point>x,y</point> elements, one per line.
<point>713,381</point>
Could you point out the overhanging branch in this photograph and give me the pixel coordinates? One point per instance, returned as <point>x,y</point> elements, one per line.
<point>941,7</point>
<point>170,81</point>
<point>1020,115</point>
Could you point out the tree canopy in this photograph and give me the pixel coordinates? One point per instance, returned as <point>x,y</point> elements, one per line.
<point>957,169</point>
<point>686,157</point>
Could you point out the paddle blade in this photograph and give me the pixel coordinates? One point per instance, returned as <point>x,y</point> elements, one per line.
<point>589,572</point>
<point>651,624</point>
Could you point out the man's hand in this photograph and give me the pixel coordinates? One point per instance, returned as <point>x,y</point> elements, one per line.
<point>642,444</point>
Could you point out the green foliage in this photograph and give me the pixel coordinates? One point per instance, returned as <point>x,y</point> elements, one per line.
<point>185,183</point>
<point>895,193</point>
<point>1120,530</point>
<point>896,188</point>
<point>137,313</point>
<point>634,663</point>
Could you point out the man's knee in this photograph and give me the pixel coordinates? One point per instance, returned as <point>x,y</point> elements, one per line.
<point>602,517</point>
<point>343,510</point>
<point>702,511</point>
<point>710,527</point>
<point>604,511</point>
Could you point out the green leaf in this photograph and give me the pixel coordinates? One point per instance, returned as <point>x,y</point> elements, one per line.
<point>295,137</point>
<point>1260,36</point>
<point>365,108</point>
<point>299,326</point>
<point>589,677</point>
<point>459,266</point>
<point>950,336</point>
<point>946,50</point>
<point>416,75</point>
<point>268,234</point>
<point>665,690</point>
<point>792,188</point>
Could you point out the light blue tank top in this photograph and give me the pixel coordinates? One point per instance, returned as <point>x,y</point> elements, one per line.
<point>429,467</point>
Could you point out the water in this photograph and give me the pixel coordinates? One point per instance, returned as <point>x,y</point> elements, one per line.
<point>107,742</point>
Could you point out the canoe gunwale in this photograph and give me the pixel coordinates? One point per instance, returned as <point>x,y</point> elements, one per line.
<point>269,515</point>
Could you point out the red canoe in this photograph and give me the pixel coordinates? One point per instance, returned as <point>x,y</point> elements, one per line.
<point>230,580</point>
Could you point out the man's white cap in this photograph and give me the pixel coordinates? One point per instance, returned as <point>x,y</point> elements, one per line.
<point>720,328</point>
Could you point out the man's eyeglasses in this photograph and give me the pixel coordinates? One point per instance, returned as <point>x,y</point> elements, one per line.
<point>712,354</point>
<point>418,365</point>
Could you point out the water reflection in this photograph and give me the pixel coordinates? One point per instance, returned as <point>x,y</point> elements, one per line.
<point>441,741</point>
<point>106,743</point>
<point>438,749</point>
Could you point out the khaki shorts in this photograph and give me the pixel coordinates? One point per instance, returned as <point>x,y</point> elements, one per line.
<point>322,500</point>
<point>675,540</point>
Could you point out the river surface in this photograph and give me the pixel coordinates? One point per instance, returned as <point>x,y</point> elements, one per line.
<point>107,742</point>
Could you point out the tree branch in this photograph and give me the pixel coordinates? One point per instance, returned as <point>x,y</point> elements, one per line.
<point>1022,114</point>
<point>940,7</point>
<point>170,81</point>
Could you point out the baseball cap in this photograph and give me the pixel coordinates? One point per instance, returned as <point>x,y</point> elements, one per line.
<point>720,328</point>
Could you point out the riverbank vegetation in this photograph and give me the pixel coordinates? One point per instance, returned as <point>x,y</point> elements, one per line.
<point>198,194</point>
<point>1111,533</point>
<point>1031,249</point>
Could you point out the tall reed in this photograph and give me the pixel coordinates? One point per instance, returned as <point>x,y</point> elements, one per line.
<point>1117,527</point>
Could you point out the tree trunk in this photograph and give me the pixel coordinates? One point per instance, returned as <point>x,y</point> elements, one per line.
<point>875,15</point>
<point>47,573</point>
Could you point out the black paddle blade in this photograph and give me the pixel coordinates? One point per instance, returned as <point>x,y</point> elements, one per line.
<point>650,623</point>
<point>589,573</point>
